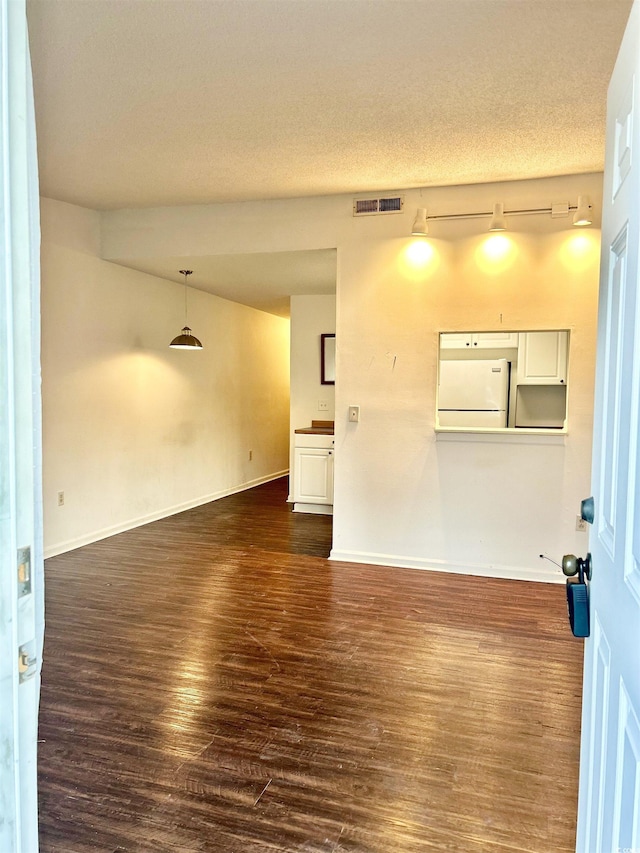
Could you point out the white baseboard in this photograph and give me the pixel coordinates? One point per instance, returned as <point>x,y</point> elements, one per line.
<point>97,535</point>
<point>522,573</point>
<point>314,509</point>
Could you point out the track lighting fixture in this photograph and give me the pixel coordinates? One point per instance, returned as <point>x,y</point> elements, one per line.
<point>420,227</point>
<point>498,222</point>
<point>185,340</point>
<point>582,216</point>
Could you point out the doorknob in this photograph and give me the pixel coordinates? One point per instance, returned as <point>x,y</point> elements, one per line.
<point>578,592</point>
<point>587,510</point>
<point>572,565</point>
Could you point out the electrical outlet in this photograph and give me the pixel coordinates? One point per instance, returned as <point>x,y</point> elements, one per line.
<point>581,524</point>
<point>60,498</point>
<point>323,405</point>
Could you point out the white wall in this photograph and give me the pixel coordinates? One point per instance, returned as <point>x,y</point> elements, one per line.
<point>487,504</point>
<point>311,316</point>
<point>134,430</point>
<point>404,496</point>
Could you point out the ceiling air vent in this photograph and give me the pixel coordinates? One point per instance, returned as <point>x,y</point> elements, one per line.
<point>374,206</point>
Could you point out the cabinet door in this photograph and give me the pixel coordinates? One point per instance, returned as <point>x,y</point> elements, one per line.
<point>478,340</point>
<point>495,340</point>
<point>455,340</point>
<point>313,475</point>
<point>542,358</point>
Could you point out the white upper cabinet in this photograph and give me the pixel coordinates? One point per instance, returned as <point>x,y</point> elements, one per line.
<point>455,340</point>
<point>495,340</point>
<point>542,358</point>
<point>479,340</point>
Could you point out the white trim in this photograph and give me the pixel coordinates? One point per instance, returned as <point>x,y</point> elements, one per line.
<point>625,819</point>
<point>313,509</point>
<point>21,616</point>
<point>97,535</point>
<point>522,573</point>
<point>510,436</point>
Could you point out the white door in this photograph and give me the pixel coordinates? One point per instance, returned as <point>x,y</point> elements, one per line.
<point>21,617</point>
<point>609,798</point>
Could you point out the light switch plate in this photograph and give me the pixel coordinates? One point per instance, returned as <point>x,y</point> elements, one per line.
<point>354,414</point>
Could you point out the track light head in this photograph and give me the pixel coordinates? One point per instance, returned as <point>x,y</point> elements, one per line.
<point>498,222</point>
<point>582,216</point>
<point>420,227</point>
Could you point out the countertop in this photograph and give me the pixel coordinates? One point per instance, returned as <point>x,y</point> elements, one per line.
<point>317,428</point>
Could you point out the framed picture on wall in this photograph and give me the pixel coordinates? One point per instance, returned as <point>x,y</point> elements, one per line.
<point>328,359</point>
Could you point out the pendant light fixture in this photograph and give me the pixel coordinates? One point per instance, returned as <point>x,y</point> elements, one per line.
<point>185,340</point>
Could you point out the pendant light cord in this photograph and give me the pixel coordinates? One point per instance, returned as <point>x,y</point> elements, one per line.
<point>185,273</point>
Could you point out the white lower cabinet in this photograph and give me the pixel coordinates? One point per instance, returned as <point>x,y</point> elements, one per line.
<point>313,474</point>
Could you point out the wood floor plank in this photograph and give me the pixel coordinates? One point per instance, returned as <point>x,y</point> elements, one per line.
<point>211,682</point>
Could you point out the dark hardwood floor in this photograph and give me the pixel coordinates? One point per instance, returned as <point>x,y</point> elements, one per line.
<point>212,683</point>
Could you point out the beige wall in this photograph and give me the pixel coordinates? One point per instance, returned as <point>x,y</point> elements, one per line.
<point>403,495</point>
<point>132,429</point>
<point>490,504</point>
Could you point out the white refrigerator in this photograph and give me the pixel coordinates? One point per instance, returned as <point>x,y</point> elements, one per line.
<point>473,393</point>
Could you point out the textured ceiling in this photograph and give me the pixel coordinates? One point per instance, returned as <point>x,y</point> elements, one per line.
<point>164,102</point>
<point>263,281</point>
